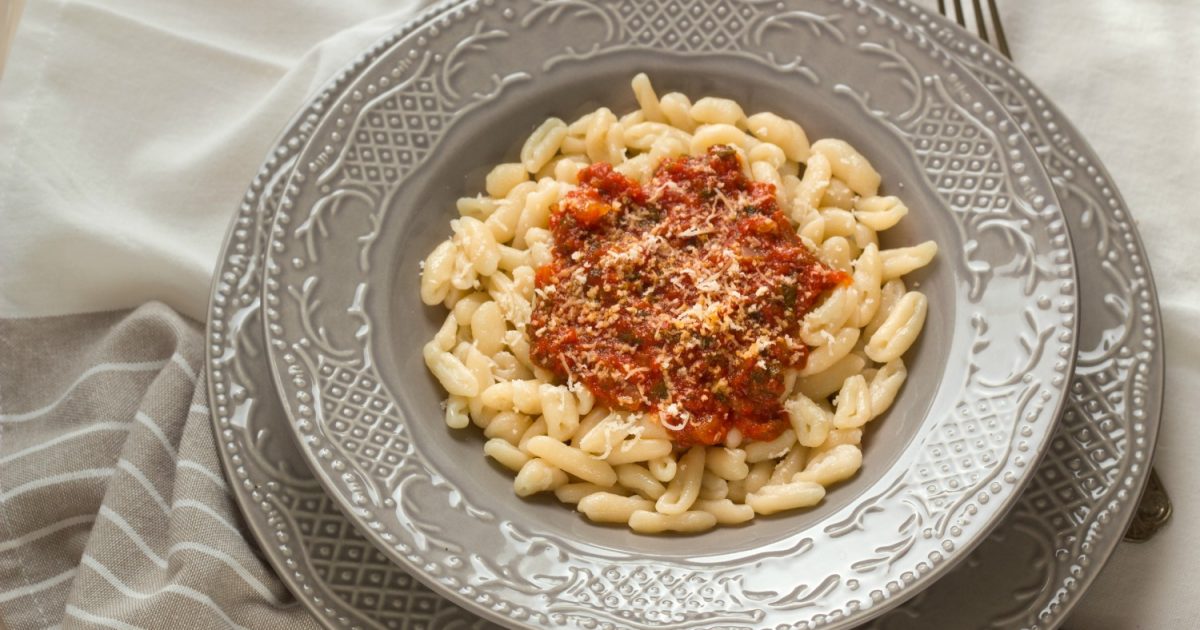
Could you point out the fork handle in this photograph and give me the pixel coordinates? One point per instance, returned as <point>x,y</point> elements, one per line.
<point>1153,512</point>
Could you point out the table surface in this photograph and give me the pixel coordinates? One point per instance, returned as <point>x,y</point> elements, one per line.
<point>95,154</point>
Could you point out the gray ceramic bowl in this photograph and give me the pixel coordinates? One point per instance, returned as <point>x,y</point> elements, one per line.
<point>373,193</point>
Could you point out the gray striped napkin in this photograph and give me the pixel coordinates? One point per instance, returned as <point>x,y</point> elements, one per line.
<point>114,512</point>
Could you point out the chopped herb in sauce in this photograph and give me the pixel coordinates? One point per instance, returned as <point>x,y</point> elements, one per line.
<point>667,297</point>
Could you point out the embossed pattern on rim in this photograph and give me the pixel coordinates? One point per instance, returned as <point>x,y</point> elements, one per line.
<point>293,553</point>
<point>347,584</point>
<point>313,373</point>
<point>1085,492</point>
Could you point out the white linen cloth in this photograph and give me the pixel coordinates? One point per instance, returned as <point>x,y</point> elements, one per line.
<point>129,130</point>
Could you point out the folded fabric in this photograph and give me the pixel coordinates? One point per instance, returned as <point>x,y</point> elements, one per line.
<point>129,130</point>
<point>115,510</point>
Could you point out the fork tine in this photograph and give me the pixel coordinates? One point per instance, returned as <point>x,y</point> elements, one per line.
<point>980,25</point>
<point>959,14</point>
<point>997,37</point>
<point>1001,42</point>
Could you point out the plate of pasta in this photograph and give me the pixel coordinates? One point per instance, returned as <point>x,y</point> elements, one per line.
<point>639,327</point>
<point>623,327</point>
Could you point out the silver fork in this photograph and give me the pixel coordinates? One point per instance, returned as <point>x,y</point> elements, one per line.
<point>981,25</point>
<point>1154,509</point>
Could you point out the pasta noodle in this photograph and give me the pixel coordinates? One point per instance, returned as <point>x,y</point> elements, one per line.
<point>663,468</point>
<point>712,486</point>
<point>508,426</point>
<point>685,487</point>
<point>717,110</point>
<point>625,467</point>
<point>538,427</point>
<point>506,454</point>
<point>727,463</point>
<point>572,460</point>
<point>783,133</point>
<point>760,474</point>
<point>543,144</point>
<point>774,498</point>
<point>853,404</point>
<point>647,99</point>
<point>848,165</point>
<point>537,476</point>
<point>726,512</point>
<point>576,492</point>
<point>677,109</point>
<point>648,522</point>
<point>639,451</point>
<point>791,464</point>
<point>831,466</point>
<point>606,507</point>
<point>502,179</point>
<point>639,479</point>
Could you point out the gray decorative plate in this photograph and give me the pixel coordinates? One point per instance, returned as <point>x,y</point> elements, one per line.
<point>336,573</point>
<point>373,190</point>
<point>343,579</point>
<point>1049,549</point>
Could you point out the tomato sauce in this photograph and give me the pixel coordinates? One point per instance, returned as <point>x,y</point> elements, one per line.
<point>683,297</point>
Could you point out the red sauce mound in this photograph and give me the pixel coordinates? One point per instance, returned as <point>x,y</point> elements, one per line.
<point>682,297</point>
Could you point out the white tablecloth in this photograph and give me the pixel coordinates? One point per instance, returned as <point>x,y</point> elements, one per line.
<point>129,130</point>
